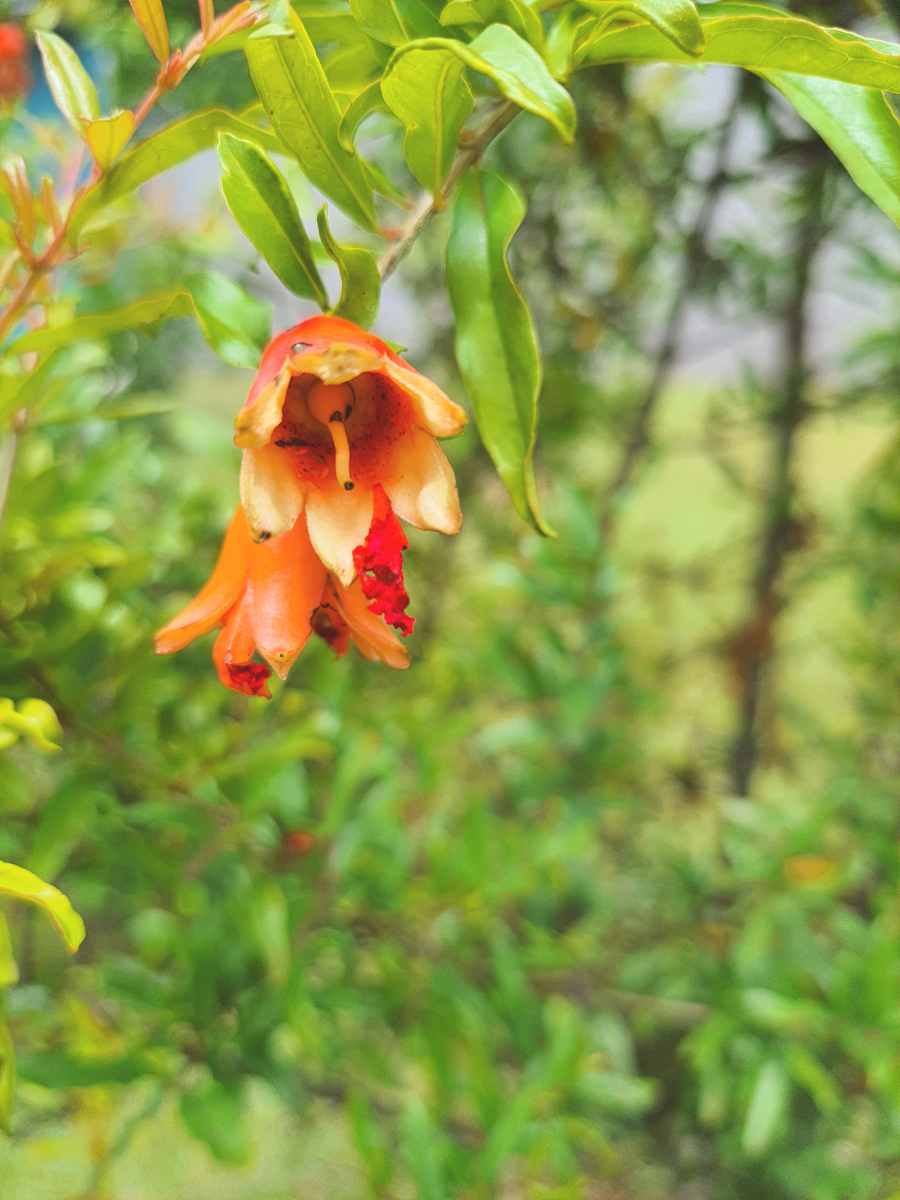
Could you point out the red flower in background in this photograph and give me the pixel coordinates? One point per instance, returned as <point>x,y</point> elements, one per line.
<point>15,78</point>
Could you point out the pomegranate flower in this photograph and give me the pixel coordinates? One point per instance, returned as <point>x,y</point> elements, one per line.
<point>15,78</point>
<point>339,439</point>
<point>269,597</point>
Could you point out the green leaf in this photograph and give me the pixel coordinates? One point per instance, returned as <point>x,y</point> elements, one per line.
<point>761,39</point>
<point>676,20</point>
<point>7,1072</point>
<point>517,69</point>
<point>562,39</point>
<point>150,16</point>
<point>23,885</point>
<point>371,1144</point>
<point>9,970</point>
<point>237,326</point>
<point>261,203</point>
<point>212,1113</point>
<point>360,281</point>
<point>362,105</point>
<point>496,345</point>
<point>766,1111</point>
<point>421,1146</point>
<point>146,404</point>
<point>70,85</point>
<point>108,137</point>
<point>397,21</point>
<point>65,820</point>
<point>860,127</point>
<point>59,1071</point>
<point>427,91</point>
<point>305,115</point>
<point>514,13</point>
<point>166,149</point>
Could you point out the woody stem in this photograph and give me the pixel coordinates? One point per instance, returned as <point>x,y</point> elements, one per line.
<point>498,117</point>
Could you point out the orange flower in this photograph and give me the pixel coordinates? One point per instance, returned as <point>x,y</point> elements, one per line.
<point>339,439</point>
<point>269,597</point>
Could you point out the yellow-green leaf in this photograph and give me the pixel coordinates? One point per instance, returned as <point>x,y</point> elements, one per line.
<point>23,885</point>
<point>108,137</point>
<point>360,281</point>
<point>304,113</point>
<point>397,21</point>
<point>677,20</point>
<point>514,13</point>
<point>7,1073</point>
<point>70,85</point>
<point>150,16</point>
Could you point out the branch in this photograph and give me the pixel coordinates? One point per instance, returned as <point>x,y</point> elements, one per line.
<point>499,116</point>
<point>692,267</point>
<point>753,646</point>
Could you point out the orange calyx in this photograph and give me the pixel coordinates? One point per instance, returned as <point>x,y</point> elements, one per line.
<point>379,564</point>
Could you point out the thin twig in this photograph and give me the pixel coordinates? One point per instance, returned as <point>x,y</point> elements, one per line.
<point>691,270</point>
<point>498,117</point>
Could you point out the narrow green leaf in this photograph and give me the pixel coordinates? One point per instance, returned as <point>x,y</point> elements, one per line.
<point>427,91</point>
<point>362,105</point>
<point>496,345</point>
<point>514,13</point>
<point>261,203</point>
<point>9,970</point>
<point>517,69</point>
<point>397,21</point>
<point>164,305</point>
<point>766,1111</point>
<point>234,324</point>
<point>61,1072</point>
<point>860,127</point>
<point>166,149</point>
<point>70,85</point>
<point>422,1149</point>
<point>562,39</point>
<point>150,16</point>
<point>237,326</point>
<point>64,821</point>
<point>23,885</point>
<point>371,1144</point>
<point>360,281</point>
<point>760,39</point>
<point>7,1072</point>
<point>676,20</point>
<point>305,115</point>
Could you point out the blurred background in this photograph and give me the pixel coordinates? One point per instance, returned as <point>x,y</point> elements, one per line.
<point>599,900</point>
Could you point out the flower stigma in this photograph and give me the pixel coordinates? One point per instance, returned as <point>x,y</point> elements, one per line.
<point>332,404</point>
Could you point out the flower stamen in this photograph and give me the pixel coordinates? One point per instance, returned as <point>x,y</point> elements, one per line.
<point>332,404</point>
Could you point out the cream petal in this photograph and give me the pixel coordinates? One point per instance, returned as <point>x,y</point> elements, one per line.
<point>272,496</point>
<point>338,522</point>
<point>338,363</point>
<point>370,634</point>
<point>434,411</point>
<point>256,423</point>
<point>421,486</point>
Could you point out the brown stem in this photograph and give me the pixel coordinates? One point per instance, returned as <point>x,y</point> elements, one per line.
<point>498,117</point>
<point>691,269</point>
<point>753,646</point>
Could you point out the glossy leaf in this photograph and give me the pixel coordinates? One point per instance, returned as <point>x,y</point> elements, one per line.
<point>261,203</point>
<point>151,17</point>
<point>9,971</point>
<point>70,85</point>
<point>23,885</point>
<point>395,22</point>
<point>496,345</point>
<point>562,38</point>
<point>234,324</point>
<point>427,91</point>
<point>860,127</point>
<point>761,39</point>
<point>108,137</point>
<point>676,20</point>
<point>166,149</point>
<point>305,115</point>
<point>237,326</point>
<point>514,13</point>
<point>517,69</point>
<point>363,104</point>
<point>360,281</point>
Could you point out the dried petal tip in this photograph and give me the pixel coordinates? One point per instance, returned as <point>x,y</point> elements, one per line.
<point>249,678</point>
<point>379,563</point>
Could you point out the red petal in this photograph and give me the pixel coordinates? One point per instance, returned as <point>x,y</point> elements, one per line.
<point>379,563</point>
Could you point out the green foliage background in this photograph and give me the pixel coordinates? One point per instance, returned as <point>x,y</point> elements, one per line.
<point>534,945</point>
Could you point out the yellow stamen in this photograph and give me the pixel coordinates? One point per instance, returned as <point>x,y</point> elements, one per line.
<point>332,404</point>
<point>341,453</point>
